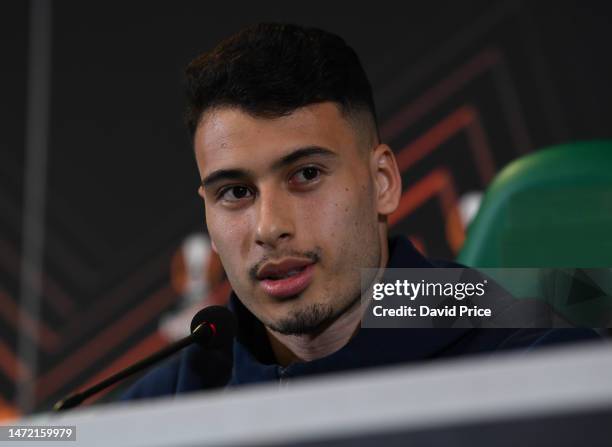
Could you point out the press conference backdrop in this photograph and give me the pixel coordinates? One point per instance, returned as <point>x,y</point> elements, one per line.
<point>92,92</point>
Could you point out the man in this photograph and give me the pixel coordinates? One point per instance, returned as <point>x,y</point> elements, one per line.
<point>297,188</point>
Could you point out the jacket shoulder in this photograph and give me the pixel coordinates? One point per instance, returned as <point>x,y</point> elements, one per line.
<point>529,339</point>
<point>161,381</point>
<point>523,340</point>
<point>194,369</point>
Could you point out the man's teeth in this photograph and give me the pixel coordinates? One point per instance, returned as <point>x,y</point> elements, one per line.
<point>288,274</point>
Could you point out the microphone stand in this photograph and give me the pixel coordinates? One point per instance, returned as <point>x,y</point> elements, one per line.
<point>201,332</point>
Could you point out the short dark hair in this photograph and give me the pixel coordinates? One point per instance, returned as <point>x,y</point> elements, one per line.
<point>271,69</point>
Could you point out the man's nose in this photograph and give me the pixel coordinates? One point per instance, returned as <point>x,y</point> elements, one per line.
<point>275,223</point>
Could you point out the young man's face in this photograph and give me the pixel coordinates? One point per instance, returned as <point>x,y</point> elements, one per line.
<point>293,207</point>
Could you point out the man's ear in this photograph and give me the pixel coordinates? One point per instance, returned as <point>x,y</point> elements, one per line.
<point>387,179</point>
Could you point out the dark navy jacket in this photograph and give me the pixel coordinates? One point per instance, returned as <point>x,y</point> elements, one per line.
<point>251,360</point>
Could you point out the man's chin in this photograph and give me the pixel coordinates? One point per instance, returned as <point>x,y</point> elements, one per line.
<point>308,320</point>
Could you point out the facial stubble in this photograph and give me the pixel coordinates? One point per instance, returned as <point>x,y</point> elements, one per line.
<point>314,318</point>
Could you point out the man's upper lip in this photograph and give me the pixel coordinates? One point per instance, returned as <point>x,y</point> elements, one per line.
<point>282,267</point>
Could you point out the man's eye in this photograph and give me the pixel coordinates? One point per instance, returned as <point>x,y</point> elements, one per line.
<point>235,193</point>
<point>306,175</point>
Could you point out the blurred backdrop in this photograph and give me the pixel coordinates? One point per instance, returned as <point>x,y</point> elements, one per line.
<point>103,254</point>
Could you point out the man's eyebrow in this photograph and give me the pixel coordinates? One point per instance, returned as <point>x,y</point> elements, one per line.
<point>302,153</point>
<point>286,160</point>
<point>224,174</point>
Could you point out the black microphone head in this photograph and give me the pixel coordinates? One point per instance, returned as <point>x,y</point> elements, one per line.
<point>222,321</point>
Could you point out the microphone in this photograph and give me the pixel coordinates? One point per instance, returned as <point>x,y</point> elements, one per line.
<point>212,327</point>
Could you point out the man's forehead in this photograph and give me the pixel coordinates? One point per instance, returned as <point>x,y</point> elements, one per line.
<point>227,133</point>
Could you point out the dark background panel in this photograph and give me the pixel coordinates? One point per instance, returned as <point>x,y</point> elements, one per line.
<point>13,48</point>
<point>13,69</point>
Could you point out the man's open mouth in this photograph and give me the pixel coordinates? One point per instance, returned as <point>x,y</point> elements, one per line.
<point>287,278</point>
<point>288,274</point>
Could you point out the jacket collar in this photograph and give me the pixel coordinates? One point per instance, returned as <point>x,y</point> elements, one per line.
<point>254,360</point>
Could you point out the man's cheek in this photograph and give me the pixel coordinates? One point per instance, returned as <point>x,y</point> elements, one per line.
<point>224,249</point>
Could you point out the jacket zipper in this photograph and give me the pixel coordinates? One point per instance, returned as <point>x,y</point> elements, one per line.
<point>283,377</point>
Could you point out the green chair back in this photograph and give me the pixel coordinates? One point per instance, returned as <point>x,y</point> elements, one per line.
<point>551,209</point>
